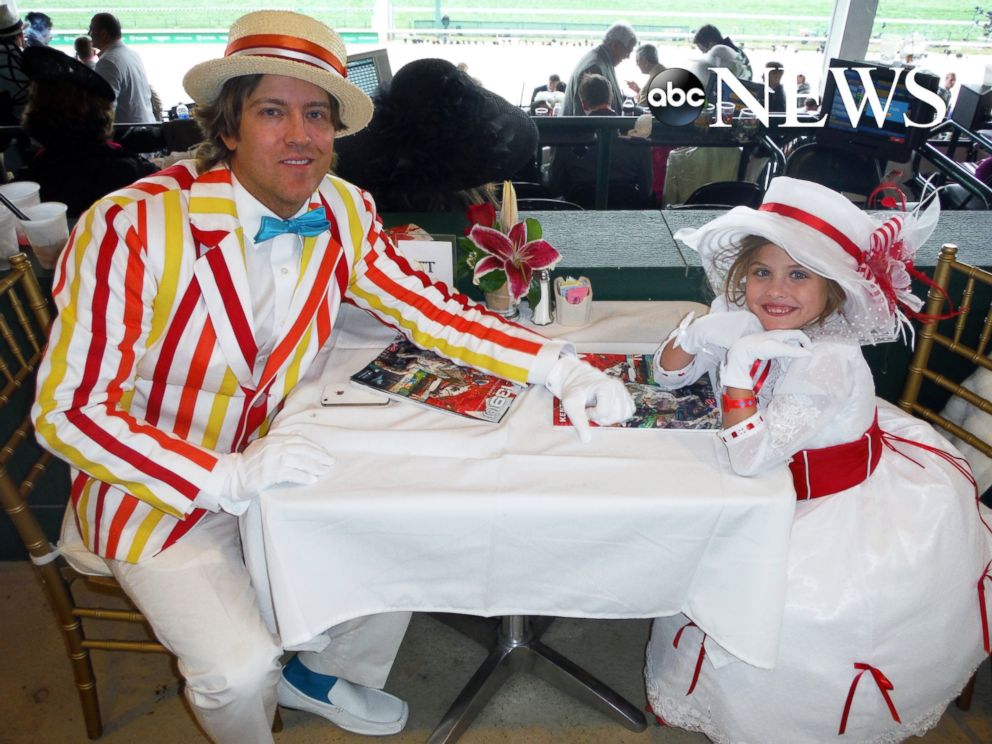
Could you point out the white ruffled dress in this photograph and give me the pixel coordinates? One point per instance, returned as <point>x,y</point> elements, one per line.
<point>883,578</point>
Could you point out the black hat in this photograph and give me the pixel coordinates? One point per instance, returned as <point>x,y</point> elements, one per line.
<point>47,64</point>
<point>435,131</point>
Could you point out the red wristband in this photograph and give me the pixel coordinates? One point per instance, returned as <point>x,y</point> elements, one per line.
<point>728,402</point>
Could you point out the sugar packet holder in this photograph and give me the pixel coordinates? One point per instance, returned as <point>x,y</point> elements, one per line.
<point>573,301</point>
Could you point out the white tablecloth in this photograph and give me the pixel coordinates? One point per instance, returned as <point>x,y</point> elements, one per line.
<point>431,512</point>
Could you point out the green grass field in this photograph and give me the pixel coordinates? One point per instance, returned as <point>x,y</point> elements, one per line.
<point>733,17</point>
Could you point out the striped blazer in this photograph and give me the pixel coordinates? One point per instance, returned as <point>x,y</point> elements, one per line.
<point>149,370</point>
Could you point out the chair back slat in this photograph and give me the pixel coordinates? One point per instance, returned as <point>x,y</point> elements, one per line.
<point>939,358</point>
<point>965,308</point>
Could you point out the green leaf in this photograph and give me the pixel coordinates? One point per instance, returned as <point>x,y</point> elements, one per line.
<point>492,281</point>
<point>534,231</point>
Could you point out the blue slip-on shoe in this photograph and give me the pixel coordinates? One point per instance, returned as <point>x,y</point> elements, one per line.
<point>355,708</point>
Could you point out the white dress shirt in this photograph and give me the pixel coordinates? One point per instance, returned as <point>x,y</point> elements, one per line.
<point>273,271</point>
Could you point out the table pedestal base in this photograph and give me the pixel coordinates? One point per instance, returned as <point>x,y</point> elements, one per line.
<point>518,649</point>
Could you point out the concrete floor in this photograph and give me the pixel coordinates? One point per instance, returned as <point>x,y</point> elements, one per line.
<point>141,701</point>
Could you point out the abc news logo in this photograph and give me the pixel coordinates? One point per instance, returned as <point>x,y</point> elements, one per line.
<point>676,97</point>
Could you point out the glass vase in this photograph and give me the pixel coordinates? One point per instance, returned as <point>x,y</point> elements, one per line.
<point>500,302</point>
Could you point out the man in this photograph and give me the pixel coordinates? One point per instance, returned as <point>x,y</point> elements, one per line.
<point>39,29</point>
<point>944,90</point>
<point>121,66</point>
<point>190,304</point>
<point>647,62</point>
<point>554,85</point>
<point>618,43</point>
<point>773,81</point>
<point>573,172</point>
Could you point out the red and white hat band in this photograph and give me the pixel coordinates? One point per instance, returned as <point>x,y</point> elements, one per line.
<point>818,224</point>
<point>281,46</point>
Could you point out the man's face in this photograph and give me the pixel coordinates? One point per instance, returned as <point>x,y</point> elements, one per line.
<point>643,65</point>
<point>285,142</point>
<point>619,51</point>
<point>949,80</point>
<point>98,37</point>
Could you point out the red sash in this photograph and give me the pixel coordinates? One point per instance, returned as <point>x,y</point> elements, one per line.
<point>829,470</point>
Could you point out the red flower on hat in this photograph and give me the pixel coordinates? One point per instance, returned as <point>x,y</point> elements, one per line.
<point>887,263</point>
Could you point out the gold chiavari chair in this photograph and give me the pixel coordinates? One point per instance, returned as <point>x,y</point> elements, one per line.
<point>946,350</point>
<point>24,321</point>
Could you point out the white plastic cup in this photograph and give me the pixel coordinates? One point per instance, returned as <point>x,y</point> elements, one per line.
<point>8,238</point>
<point>727,111</point>
<point>47,230</point>
<point>22,194</point>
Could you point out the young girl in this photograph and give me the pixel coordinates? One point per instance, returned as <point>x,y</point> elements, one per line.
<point>882,624</point>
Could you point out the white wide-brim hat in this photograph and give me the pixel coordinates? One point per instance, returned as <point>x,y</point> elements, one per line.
<point>279,42</point>
<point>869,256</point>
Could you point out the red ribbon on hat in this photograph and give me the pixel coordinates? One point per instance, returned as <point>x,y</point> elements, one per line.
<point>885,245</point>
<point>883,684</point>
<point>295,49</point>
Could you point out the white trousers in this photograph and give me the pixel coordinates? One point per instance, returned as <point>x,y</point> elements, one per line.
<point>198,598</point>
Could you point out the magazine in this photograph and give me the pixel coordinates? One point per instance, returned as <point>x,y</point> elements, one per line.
<point>690,407</point>
<point>407,372</point>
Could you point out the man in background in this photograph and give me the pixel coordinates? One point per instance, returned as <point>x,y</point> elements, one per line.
<point>647,62</point>
<point>573,173</point>
<point>618,44</point>
<point>554,85</point>
<point>121,66</point>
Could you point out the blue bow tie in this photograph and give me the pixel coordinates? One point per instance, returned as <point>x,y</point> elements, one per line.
<point>308,224</point>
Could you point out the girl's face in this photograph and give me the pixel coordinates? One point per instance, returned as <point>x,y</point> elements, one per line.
<point>783,294</point>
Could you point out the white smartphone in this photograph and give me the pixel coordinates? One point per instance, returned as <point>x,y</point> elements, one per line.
<point>345,394</point>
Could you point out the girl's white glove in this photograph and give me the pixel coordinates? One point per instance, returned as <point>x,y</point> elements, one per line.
<point>736,369</point>
<point>578,385</point>
<point>714,331</point>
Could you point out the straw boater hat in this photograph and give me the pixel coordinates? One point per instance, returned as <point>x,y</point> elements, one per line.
<point>870,257</point>
<point>10,22</point>
<point>278,42</point>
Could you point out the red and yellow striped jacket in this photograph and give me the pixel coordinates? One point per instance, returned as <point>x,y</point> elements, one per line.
<point>149,368</point>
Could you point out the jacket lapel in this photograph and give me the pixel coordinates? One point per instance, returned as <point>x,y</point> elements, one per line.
<point>220,269</point>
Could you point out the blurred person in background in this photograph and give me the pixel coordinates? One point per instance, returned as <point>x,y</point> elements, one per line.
<point>121,66</point>
<point>38,32</point>
<point>85,52</point>
<point>617,45</point>
<point>647,62</point>
<point>70,113</point>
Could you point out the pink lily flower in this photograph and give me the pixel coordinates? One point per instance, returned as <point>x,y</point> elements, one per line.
<point>513,255</point>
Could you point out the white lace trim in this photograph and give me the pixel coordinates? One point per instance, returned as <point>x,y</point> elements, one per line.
<point>682,713</point>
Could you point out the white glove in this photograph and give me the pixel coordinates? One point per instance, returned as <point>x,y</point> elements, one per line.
<point>273,459</point>
<point>714,331</point>
<point>578,384</point>
<point>736,369</point>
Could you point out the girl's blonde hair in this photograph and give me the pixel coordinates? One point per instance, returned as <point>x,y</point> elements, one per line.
<point>735,285</point>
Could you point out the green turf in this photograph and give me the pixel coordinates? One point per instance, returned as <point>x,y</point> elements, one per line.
<point>743,17</point>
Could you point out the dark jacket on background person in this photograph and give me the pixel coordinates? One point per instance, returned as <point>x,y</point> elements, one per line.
<point>80,176</point>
